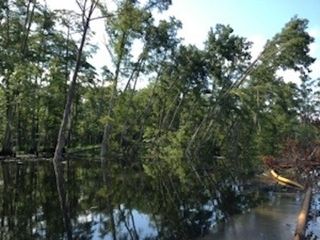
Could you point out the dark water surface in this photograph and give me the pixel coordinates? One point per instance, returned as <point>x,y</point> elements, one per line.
<point>273,220</point>
<point>130,206</point>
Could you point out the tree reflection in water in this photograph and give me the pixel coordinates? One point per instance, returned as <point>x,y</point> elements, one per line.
<point>127,206</point>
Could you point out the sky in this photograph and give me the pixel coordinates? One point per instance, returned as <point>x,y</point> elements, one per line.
<point>246,17</point>
<point>257,20</point>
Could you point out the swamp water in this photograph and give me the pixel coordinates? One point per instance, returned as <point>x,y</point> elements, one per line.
<point>275,219</point>
<point>130,206</point>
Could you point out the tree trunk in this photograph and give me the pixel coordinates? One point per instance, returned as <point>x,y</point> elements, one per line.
<point>7,140</point>
<point>35,123</point>
<point>18,125</point>
<point>63,127</point>
<point>108,126</point>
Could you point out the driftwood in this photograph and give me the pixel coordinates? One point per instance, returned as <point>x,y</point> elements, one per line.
<point>285,181</point>
<point>302,217</point>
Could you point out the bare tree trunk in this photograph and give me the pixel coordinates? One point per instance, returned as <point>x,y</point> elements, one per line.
<point>66,69</point>
<point>18,128</point>
<point>7,140</point>
<point>35,121</point>
<point>63,127</point>
<point>108,127</point>
<point>107,132</point>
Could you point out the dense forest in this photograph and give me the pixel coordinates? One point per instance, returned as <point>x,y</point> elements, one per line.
<point>204,115</point>
<point>199,106</point>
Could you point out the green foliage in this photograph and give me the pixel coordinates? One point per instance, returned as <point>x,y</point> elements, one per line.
<point>165,154</point>
<point>291,46</point>
<point>200,106</point>
<point>205,117</point>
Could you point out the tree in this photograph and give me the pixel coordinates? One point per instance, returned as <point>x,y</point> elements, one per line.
<point>86,14</point>
<point>127,24</point>
<point>15,30</point>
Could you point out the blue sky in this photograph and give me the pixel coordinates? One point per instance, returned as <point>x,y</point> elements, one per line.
<point>257,20</point>
<point>247,17</point>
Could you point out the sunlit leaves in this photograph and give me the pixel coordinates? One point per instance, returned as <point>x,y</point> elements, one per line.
<point>289,49</point>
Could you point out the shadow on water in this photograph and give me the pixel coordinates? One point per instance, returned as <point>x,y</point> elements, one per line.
<point>127,206</point>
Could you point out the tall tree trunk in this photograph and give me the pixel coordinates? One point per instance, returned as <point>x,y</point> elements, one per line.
<point>63,127</point>
<point>35,121</point>
<point>108,126</point>
<point>7,140</point>
<point>27,27</point>
<point>18,128</point>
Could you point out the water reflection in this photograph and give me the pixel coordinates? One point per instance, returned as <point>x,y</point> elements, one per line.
<point>123,206</point>
<point>274,219</point>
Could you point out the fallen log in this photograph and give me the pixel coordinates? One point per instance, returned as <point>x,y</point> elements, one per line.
<point>302,217</point>
<point>285,181</point>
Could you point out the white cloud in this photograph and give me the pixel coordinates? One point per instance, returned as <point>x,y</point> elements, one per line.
<point>195,28</point>
<point>315,46</point>
<point>314,49</point>
<point>315,68</point>
<point>258,43</point>
<point>314,32</point>
<point>70,5</point>
<point>293,76</point>
<point>289,76</point>
<point>100,58</point>
<point>315,52</point>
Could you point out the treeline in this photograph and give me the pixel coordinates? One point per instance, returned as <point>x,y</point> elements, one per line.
<point>210,108</point>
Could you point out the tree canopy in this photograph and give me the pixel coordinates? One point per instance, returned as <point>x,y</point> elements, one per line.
<point>201,108</point>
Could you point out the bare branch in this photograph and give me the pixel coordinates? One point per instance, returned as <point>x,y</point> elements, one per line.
<point>80,5</point>
<point>100,17</point>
